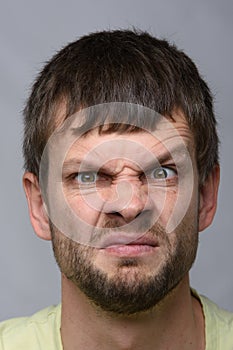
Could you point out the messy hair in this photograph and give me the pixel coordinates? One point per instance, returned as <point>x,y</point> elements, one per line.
<point>120,66</point>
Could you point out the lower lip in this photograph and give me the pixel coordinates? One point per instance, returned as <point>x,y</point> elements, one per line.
<point>130,250</point>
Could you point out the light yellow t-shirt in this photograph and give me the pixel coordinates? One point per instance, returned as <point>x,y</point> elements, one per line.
<point>42,330</point>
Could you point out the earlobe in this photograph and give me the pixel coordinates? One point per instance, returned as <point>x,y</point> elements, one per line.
<point>37,211</point>
<point>208,198</point>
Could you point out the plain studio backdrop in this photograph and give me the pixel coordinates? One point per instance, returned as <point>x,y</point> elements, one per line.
<point>31,32</point>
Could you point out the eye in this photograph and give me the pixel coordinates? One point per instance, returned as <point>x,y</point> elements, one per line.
<point>88,177</point>
<point>162,173</point>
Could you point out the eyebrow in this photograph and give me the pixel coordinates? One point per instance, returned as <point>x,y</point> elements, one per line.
<point>73,164</point>
<point>176,151</point>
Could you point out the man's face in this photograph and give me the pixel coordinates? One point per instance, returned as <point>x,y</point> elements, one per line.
<point>136,199</point>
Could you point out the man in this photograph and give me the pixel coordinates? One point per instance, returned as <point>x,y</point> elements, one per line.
<point>121,160</point>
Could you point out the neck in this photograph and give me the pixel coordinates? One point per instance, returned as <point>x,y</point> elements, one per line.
<point>176,323</point>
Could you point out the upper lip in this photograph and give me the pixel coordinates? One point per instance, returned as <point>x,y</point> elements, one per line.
<point>118,240</point>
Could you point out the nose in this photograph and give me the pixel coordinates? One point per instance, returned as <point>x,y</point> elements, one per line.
<point>132,200</point>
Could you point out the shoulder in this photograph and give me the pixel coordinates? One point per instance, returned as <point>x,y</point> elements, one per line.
<point>218,325</point>
<point>32,332</point>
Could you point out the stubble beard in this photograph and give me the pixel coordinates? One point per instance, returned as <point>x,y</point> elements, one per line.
<point>129,291</point>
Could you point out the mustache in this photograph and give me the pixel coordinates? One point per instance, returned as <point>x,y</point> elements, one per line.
<point>141,222</point>
<point>138,228</point>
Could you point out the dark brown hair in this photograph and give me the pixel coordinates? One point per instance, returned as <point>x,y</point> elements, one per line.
<point>120,66</point>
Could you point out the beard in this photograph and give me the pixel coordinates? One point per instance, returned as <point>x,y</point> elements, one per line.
<point>129,290</point>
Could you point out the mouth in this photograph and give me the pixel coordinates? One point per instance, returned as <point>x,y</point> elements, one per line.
<point>124,246</point>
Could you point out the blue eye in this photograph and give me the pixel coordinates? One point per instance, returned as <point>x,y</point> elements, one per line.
<point>88,177</point>
<point>162,173</point>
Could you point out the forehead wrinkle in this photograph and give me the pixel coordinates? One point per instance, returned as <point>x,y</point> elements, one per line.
<point>82,151</point>
<point>76,163</point>
<point>162,153</point>
<point>116,166</point>
<point>160,149</point>
<point>109,149</point>
<point>166,152</point>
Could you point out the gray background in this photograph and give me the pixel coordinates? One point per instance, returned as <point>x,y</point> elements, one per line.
<point>30,32</point>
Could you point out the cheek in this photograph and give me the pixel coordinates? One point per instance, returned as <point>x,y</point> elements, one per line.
<point>91,203</point>
<point>84,208</point>
<point>165,201</point>
<point>179,208</point>
<point>183,240</point>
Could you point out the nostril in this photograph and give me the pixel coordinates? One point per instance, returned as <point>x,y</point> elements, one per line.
<point>116,213</point>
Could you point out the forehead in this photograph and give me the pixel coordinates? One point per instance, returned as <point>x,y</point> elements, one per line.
<point>69,150</point>
<point>169,134</point>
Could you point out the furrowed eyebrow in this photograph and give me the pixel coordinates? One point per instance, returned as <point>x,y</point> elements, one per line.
<point>179,152</point>
<point>75,163</point>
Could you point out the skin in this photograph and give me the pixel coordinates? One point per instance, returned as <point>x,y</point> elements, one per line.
<point>174,322</point>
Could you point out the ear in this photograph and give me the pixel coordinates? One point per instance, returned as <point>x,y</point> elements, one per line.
<point>37,212</point>
<point>208,198</point>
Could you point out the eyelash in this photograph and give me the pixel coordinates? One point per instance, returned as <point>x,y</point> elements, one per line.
<point>73,178</point>
<point>147,175</point>
<point>166,169</point>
